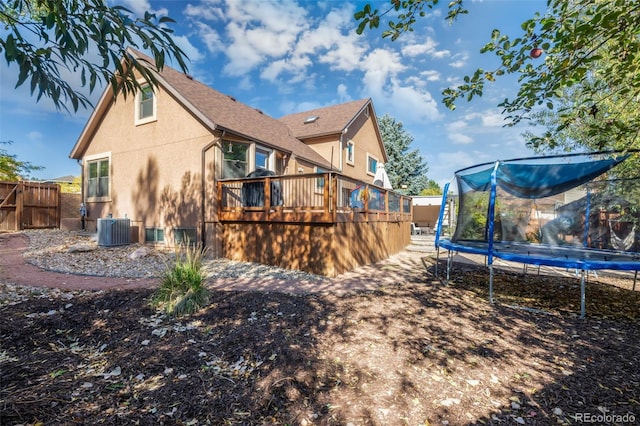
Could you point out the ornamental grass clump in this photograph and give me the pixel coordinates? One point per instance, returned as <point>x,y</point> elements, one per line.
<point>182,290</point>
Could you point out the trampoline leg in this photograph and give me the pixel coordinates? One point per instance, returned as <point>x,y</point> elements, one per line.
<point>491,284</point>
<point>583,306</point>
<point>437,260</point>
<point>448,267</point>
<point>635,277</point>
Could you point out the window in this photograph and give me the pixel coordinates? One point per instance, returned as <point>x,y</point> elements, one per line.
<point>185,236</point>
<point>153,235</point>
<point>235,164</point>
<point>145,105</point>
<point>262,158</point>
<point>98,178</point>
<point>320,180</point>
<point>350,152</point>
<point>372,164</point>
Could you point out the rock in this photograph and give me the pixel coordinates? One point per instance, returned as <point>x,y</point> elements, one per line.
<point>140,252</point>
<point>81,248</point>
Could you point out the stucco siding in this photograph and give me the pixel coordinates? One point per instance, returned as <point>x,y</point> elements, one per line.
<point>155,168</point>
<point>365,139</point>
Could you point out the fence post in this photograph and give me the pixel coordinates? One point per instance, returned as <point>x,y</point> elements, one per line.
<point>19,205</point>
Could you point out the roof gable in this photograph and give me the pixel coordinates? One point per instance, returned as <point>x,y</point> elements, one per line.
<point>216,111</point>
<point>324,121</point>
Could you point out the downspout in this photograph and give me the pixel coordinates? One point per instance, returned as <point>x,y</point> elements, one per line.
<point>203,192</point>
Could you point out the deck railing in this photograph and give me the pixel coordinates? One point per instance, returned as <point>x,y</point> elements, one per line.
<point>327,197</point>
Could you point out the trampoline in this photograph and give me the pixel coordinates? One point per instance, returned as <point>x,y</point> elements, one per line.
<point>554,211</point>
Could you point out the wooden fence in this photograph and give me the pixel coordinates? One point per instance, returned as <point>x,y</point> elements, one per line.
<point>29,205</point>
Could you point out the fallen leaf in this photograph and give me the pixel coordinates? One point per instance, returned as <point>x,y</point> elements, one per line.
<point>115,372</point>
<point>449,402</point>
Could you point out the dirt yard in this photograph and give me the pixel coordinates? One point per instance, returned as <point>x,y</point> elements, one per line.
<point>414,353</point>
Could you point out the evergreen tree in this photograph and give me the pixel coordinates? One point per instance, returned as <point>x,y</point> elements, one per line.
<point>406,167</point>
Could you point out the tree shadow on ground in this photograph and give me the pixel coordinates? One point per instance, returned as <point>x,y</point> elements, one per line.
<point>412,352</point>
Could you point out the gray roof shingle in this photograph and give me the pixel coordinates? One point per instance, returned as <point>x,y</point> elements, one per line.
<point>330,120</point>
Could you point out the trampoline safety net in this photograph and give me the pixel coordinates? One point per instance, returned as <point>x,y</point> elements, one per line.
<point>555,210</point>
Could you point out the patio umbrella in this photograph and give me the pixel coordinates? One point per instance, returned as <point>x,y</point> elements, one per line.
<point>381,178</point>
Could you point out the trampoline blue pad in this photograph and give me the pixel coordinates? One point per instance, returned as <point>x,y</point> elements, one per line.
<point>547,255</point>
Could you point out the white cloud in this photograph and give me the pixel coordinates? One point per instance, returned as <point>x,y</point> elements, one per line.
<point>295,66</point>
<point>412,104</point>
<point>245,83</point>
<point>139,7</point>
<point>379,67</point>
<point>488,118</point>
<point>428,48</point>
<point>261,31</point>
<point>209,10</point>
<point>279,38</point>
<point>456,126</point>
<point>493,119</point>
<point>343,94</point>
<point>189,49</point>
<point>459,138</point>
<point>407,99</point>
<point>460,60</point>
<point>430,75</point>
<point>334,41</point>
<point>210,37</point>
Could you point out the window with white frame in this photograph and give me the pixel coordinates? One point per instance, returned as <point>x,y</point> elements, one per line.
<point>262,158</point>
<point>145,105</point>
<point>351,152</point>
<point>98,178</point>
<point>372,164</point>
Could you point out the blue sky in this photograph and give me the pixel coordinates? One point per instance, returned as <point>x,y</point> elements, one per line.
<point>286,56</point>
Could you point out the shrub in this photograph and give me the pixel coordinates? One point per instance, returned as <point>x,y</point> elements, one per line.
<point>182,290</point>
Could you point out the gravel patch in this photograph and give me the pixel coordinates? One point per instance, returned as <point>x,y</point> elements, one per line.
<point>78,253</point>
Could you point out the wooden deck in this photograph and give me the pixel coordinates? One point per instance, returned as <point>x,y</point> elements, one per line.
<point>322,223</point>
<point>310,198</point>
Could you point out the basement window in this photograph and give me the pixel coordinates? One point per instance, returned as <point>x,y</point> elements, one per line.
<point>154,235</point>
<point>186,235</point>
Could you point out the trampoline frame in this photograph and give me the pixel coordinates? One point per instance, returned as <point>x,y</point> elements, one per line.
<point>582,259</point>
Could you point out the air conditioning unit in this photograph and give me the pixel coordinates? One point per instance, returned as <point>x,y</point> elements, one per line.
<point>114,232</point>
